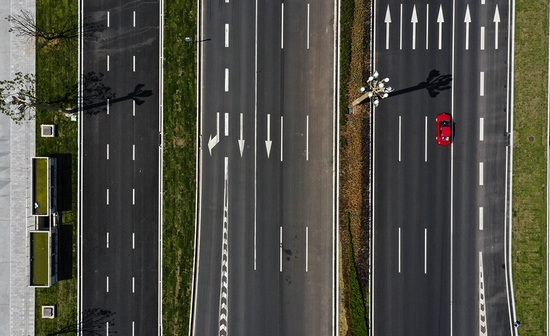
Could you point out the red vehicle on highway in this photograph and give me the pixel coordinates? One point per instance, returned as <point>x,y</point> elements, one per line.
<point>444,129</point>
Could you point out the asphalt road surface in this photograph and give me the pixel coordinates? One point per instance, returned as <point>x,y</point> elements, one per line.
<point>265,258</point>
<point>440,212</point>
<point>119,284</point>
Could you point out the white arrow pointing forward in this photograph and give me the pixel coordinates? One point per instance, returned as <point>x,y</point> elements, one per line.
<point>214,140</point>
<point>241,140</point>
<point>440,21</point>
<point>387,20</point>
<point>268,141</point>
<point>414,21</point>
<point>467,20</point>
<point>496,20</point>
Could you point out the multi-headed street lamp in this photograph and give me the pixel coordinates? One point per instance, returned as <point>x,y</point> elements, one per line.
<point>377,90</point>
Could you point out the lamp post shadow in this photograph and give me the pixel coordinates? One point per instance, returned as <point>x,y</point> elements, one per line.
<point>435,83</point>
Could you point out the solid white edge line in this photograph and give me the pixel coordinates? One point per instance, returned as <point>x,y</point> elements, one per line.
<point>79,303</point>
<point>452,176</point>
<point>481,128</point>
<point>426,139</point>
<point>335,169</point>
<point>481,173</point>
<point>399,139</point>
<point>373,167</point>
<point>160,167</point>
<point>282,22</point>
<point>255,128</point>
<point>399,250</point>
<point>480,220</point>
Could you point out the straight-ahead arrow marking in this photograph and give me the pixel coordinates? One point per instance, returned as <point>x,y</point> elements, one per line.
<point>213,141</point>
<point>387,20</point>
<point>414,21</point>
<point>440,21</point>
<point>467,21</point>
<point>241,140</point>
<point>268,141</point>
<point>496,20</point>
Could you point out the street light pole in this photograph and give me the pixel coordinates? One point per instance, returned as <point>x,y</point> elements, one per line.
<point>377,90</point>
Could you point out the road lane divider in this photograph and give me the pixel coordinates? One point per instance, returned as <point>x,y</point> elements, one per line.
<point>307,34</point>
<point>108,19</point>
<point>307,248</point>
<point>133,196</point>
<point>281,138</point>
<point>399,142</point>
<point>107,151</point>
<point>133,108</point>
<point>108,105</point>
<point>480,220</point>
<point>399,251</point>
<point>134,63</point>
<point>282,22</point>
<point>226,79</point>
<point>481,128</point>
<point>401,27</point>
<point>107,284</point>
<point>280,248</point>
<point>427,23</point>
<point>107,62</point>
<point>133,284</point>
<point>133,152</point>
<point>482,83</point>
<point>133,240</point>
<point>481,173</point>
<point>307,138</point>
<point>226,124</point>
<point>107,196</point>
<point>227,35</point>
<point>107,239</point>
<point>134,19</point>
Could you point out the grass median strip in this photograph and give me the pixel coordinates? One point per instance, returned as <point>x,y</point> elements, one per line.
<point>530,148</point>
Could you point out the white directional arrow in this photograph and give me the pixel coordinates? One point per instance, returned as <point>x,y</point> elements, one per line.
<point>440,21</point>
<point>387,21</point>
<point>268,141</point>
<point>414,21</point>
<point>496,20</point>
<point>467,21</point>
<point>241,140</point>
<point>214,140</point>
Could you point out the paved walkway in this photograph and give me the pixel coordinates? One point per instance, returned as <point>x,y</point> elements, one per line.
<point>17,146</point>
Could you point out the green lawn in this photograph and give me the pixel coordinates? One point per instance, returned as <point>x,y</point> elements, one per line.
<point>56,68</point>
<point>40,187</point>
<point>529,184</point>
<point>179,163</point>
<point>40,258</point>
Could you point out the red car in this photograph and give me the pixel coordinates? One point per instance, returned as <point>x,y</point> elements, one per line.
<point>444,129</point>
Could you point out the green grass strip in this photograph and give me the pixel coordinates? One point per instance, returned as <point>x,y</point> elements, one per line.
<point>56,69</point>
<point>529,185</point>
<point>40,187</point>
<point>39,258</point>
<point>179,163</point>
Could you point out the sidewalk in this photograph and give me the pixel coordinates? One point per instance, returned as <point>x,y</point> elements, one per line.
<point>17,146</point>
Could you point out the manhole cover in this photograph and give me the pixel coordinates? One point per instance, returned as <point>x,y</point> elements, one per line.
<point>531,138</point>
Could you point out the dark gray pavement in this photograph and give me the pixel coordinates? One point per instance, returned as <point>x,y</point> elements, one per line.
<point>273,286</point>
<point>428,235</point>
<point>120,167</point>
